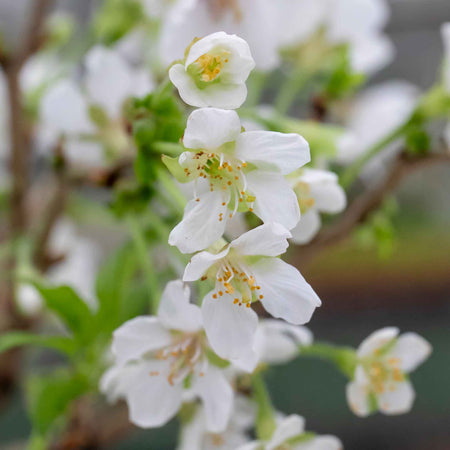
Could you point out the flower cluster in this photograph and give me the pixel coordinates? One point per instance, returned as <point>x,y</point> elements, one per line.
<point>189,351</point>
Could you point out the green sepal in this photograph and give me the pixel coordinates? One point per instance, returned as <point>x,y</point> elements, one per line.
<point>175,169</point>
<point>216,360</point>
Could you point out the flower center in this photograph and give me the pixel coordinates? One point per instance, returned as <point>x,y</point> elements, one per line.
<point>210,65</point>
<point>234,276</point>
<point>305,200</point>
<point>224,173</point>
<point>185,353</point>
<point>384,374</point>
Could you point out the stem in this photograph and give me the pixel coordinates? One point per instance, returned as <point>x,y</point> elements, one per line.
<point>351,173</point>
<point>151,278</point>
<point>289,90</point>
<point>344,358</point>
<point>265,418</point>
<point>256,85</point>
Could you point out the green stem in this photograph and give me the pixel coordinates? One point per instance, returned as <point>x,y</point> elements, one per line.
<point>256,84</point>
<point>289,90</point>
<point>171,188</point>
<point>265,418</point>
<point>167,148</point>
<point>344,358</point>
<point>151,278</point>
<point>351,172</point>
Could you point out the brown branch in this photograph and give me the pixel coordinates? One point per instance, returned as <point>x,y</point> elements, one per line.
<point>361,208</point>
<point>34,37</point>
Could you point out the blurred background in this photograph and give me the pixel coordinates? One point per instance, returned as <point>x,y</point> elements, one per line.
<point>362,289</point>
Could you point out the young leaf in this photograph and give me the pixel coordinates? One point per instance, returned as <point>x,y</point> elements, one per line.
<point>70,308</point>
<point>49,397</point>
<point>19,338</point>
<point>112,285</point>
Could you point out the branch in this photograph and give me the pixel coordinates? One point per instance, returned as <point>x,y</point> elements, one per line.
<point>34,37</point>
<point>361,208</point>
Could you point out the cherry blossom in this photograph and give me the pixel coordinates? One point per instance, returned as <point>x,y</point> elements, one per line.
<point>381,376</point>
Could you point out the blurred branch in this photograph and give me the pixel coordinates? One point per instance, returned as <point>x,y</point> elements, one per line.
<point>363,205</point>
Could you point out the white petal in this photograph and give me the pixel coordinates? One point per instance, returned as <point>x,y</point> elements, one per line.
<point>357,399</point>
<point>116,381</point>
<point>64,108</point>
<point>217,397</point>
<point>200,263</point>
<point>269,239</point>
<point>412,350</point>
<point>108,79</point>
<point>152,400</point>
<point>286,294</point>
<point>248,362</point>
<point>255,445</point>
<point>398,400</point>
<point>307,228</point>
<point>219,95</point>
<point>138,336</point>
<point>281,341</point>
<point>201,226</point>
<point>230,328</point>
<point>285,151</point>
<point>192,432</point>
<point>275,200</point>
<point>290,427</point>
<point>376,340</point>
<point>324,188</point>
<point>369,54</point>
<point>209,128</point>
<point>175,311</point>
<point>326,442</point>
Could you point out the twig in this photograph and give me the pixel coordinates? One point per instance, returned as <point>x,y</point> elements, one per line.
<point>365,204</point>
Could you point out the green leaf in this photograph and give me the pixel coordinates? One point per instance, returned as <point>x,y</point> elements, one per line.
<point>113,282</point>
<point>49,397</point>
<point>20,338</point>
<point>70,308</point>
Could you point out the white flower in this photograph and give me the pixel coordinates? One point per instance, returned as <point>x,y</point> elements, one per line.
<point>214,72</point>
<point>359,23</point>
<point>318,191</point>
<point>276,342</point>
<point>244,271</point>
<point>290,435</point>
<point>376,113</point>
<point>251,20</point>
<point>195,435</point>
<point>66,107</point>
<point>381,376</point>
<point>157,356</point>
<point>297,20</point>
<point>235,170</point>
